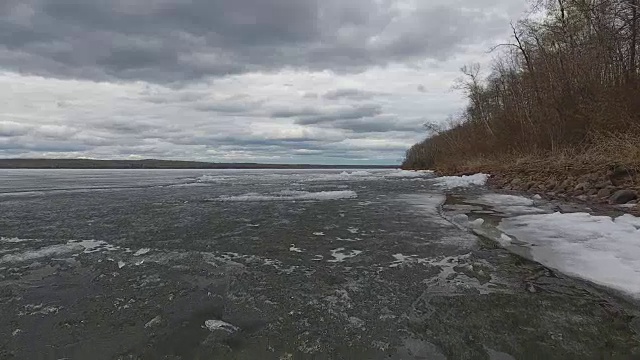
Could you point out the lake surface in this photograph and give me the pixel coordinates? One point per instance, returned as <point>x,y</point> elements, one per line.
<point>268,264</point>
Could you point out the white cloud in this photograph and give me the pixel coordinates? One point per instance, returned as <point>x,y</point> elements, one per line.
<point>335,110</point>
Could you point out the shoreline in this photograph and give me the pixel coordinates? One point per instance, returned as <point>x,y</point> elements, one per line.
<point>606,189</point>
<point>612,190</point>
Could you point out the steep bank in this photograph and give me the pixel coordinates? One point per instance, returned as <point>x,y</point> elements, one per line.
<point>558,113</point>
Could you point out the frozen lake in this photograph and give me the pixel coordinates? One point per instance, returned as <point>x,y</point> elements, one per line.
<point>296,264</point>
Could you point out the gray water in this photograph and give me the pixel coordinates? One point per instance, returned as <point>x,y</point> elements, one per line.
<point>267,264</point>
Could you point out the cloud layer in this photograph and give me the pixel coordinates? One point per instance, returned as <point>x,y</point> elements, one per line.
<point>234,80</point>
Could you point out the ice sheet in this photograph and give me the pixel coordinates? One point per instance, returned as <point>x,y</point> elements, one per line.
<point>339,255</point>
<point>48,251</point>
<point>71,248</point>
<point>289,195</point>
<point>600,249</point>
<point>452,182</point>
<point>508,204</point>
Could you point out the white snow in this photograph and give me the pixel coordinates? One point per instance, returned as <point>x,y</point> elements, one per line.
<point>289,195</point>
<point>213,325</point>
<point>452,182</point>
<point>339,256</point>
<point>628,219</point>
<point>600,249</point>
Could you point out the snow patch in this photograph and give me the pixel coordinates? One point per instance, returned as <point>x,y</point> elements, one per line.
<point>600,249</point>
<point>452,182</point>
<point>289,195</point>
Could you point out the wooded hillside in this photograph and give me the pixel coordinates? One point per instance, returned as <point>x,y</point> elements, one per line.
<point>566,88</point>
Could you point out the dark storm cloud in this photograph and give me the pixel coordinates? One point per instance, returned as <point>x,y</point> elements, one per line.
<point>380,124</point>
<point>180,40</point>
<point>349,113</point>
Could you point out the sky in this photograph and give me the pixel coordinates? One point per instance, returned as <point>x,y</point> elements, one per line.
<point>272,81</point>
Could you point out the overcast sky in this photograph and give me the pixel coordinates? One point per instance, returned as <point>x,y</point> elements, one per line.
<point>302,81</point>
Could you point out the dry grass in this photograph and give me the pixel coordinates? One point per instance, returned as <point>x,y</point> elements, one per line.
<point>608,151</point>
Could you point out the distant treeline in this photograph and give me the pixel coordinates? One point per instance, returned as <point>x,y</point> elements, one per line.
<point>156,164</point>
<point>566,83</point>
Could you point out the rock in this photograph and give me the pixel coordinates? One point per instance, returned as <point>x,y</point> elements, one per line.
<point>516,182</point>
<point>604,193</point>
<point>551,185</point>
<point>583,186</point>
<point>623,196</point>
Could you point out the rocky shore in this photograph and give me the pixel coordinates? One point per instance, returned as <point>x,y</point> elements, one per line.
<point>618,187</point>
<point>614,186</point>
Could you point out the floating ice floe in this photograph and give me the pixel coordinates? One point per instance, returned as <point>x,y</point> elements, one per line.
<point>407,259</point>
<point>319,233</point>
<point>14,240</point>
<point>339,256</point>
<point>463,220</point>
<point>213,325</point>
<point>600,249</point>
<point>142,251</point>
<point>70,248</point>
<point>408,174</point>
<point>293,248</point>
<point>453,182</point>
<point>289,195</point>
